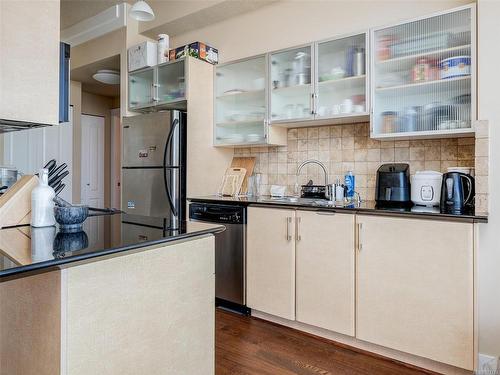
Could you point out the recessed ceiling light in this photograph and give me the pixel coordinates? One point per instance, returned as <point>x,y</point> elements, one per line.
<point>141,11</point>
<point>109,77</point>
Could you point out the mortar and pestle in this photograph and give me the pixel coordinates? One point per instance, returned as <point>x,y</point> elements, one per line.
<point>71,217</point>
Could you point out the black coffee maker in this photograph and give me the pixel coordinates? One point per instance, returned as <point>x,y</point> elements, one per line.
<point>457,193</point>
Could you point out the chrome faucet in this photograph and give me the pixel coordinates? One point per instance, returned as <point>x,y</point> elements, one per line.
<point>312,161</point>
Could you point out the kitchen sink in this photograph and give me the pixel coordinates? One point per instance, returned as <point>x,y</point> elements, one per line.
<point>315,202</point>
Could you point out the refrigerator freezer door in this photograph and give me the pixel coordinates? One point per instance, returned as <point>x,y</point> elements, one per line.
<point>144,192</point>
<point>144,139</point>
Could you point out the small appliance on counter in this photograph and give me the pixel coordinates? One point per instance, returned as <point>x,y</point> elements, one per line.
<point>457,193</point>
<point>393,186</point>
<point>426,188</point>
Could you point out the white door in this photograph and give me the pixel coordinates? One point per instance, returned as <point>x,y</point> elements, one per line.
<point>116,158</point>
<point>93,160</point>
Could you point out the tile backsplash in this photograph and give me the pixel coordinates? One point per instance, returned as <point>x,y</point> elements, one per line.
<point>349,147</point>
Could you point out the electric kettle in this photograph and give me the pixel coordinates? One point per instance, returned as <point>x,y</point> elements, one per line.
<point>457,193</point>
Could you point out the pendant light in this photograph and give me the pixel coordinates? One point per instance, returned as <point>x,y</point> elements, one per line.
<point>141,11</point>
<point>109,77</point>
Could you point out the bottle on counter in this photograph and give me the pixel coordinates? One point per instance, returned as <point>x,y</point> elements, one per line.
<point>350,184</point>
<point>42,204</point>
<point>339,191</point>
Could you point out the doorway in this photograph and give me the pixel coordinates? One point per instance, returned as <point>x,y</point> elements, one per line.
<point>116,157</point>
<point>92,160</point>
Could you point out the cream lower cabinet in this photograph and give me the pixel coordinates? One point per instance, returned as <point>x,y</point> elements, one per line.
<point>415,287</point>
<point>300,266</point>
<point>325,259</point>
<point>271,261</point>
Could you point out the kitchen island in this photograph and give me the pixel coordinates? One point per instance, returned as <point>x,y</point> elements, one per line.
<point>123,296</point>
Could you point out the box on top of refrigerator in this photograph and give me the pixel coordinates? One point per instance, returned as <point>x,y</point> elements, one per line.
<point>199,50</point>
<point>142,55</point>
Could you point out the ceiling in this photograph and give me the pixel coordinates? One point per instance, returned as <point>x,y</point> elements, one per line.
<point>89,84</point>
<point>74,11</point>
<point>173,17</point>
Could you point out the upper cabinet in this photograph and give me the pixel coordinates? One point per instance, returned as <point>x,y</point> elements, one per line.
<point>341,90</point>
<point>171,82</point>
<point>291,85</point>
<point>257,98</point>
<point>320,83</point>
<point>159,87</point>
<point>423,76</point>
<point>241,98</point>
<point>29,67</point>
<point>140,89</point>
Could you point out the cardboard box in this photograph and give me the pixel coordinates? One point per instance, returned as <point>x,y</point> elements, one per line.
<point>199,50</point>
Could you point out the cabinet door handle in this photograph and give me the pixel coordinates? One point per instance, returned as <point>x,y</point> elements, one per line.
<point>288,222</point>
<point>154,89</point>
<point>360,236</point>
<point>298,237</point>
<point>311,103</point>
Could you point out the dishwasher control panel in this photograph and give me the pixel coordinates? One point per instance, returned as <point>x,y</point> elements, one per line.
<point>217,213</point>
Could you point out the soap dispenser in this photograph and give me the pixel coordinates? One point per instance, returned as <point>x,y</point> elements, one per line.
<point>42,204</point>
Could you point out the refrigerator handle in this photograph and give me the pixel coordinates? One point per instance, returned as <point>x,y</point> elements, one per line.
<point>165,179</point>
<point>167,190</point>
<point>168,145</point>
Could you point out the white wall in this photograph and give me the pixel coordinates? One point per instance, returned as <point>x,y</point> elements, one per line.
<point>489,246</point>
<point>289,23</point>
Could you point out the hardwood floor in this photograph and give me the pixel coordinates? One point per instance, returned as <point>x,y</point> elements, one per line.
<point>249,346</point>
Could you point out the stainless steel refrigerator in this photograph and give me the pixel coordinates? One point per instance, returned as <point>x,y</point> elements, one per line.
<point>154,166</point>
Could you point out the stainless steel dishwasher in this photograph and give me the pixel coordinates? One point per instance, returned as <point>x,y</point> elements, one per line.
<point>230,252</point>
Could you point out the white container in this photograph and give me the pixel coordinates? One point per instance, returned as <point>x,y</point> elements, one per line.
<point>456,66</point>
<point>163,48</point>
<point>42,204</point>
<point>142,55</point>
<point>426,188</point>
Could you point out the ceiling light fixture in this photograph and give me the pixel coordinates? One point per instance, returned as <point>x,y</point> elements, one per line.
<point>109,77</point>
<point>141,11</point>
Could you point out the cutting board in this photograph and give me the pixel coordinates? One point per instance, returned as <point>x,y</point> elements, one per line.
<point>232,181</point>
<point>244,162</point>
<point>15,203</point>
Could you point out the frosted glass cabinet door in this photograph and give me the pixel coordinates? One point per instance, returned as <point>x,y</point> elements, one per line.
<point>423,75</point>
<point>141,90</point>
<point>341,77</point>
<point>291,84</point>
<point>171,82</point>
<point>240,102</point>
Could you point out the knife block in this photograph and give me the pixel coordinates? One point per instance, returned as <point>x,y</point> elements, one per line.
<point>15,203</point>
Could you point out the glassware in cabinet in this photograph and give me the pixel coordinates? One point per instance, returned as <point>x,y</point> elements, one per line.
<point>292,94</point>
<point>423,76</point>
<point>171,82</point>
<point>341,77</point>
<point>240,102</point>
<point>141,88</point>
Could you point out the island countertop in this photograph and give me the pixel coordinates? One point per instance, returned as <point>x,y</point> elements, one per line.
<point>25,250</point>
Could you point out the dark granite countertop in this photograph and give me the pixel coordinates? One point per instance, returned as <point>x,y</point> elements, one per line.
<point>25,250</point>
<point>368,207</point>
